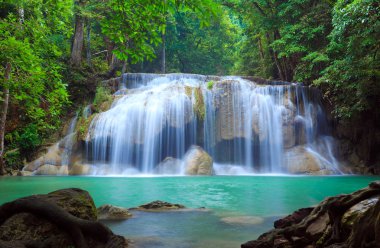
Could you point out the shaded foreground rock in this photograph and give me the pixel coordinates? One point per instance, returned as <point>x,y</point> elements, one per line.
<point>64,218</point>
<point>159,206</point>
<point>351,221</point>
<point>109,212</point>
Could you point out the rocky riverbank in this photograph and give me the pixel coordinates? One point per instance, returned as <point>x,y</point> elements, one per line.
<point>351,220</point>
<point>63,218</point>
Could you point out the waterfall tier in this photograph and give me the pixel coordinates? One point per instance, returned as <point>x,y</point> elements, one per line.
<point>246,127</point>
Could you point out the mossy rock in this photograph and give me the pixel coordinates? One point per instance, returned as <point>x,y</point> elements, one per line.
<point>199,107</point>
<point>83,126</point>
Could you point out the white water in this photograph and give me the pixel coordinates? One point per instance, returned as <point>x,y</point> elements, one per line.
<point>247,127</point>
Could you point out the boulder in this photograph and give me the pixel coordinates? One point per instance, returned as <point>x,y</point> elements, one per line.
<point>299,160</point>
<point>343,221</point>
<point>159,206</point>
<point>197,162</point>
<point>63,218</point>
<point>169,165</point>
<point>109,212</point>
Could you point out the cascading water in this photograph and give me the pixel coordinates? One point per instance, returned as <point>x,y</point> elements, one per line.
<point>244,126</point>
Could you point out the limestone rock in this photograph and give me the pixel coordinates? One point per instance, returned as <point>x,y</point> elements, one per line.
<point>52,170</point>
<point>298,160</point>
<point>198,162</point>
<point>52,157</point>
<point>81,169</point>
<point>109,212</point>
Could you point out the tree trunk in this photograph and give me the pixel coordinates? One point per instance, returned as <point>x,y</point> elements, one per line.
<point>76,51</point>
<point>4,117</point>
<point>275,59</point>
<point>124,68</point>
<point>88,47</point>
<point>163,69</point>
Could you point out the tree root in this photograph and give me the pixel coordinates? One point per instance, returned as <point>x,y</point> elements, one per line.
<point>77,229</point>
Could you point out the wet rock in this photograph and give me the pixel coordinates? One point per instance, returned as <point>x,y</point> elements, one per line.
<point>169,166</point>
<point>197,162</point>
<point>159,206</point>
<point>109,212</point>
<point>357,211</point>
<point>49,220</point>
<point>294,218</point>
<point>343,221</point>
<point>298,160</point>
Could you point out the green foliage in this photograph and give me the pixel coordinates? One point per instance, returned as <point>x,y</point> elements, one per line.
<point>29,138</point>
<point>136,27</point>
<point>331,44</point>
<point>103,98</point>
<point>352,78</point>
<point>13,159</point>
<point>210,84</point>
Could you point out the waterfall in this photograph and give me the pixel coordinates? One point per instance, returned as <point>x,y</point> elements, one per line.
<point>244,126</point>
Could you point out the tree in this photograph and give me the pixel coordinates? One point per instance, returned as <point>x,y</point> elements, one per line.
<point>4,112</point>
<point>351,80</point>
<point>76,51</point>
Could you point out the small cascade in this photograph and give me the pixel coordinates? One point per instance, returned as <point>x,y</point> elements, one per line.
<point>86,113</point>
<point>69,142</point>
<point>246,127</point>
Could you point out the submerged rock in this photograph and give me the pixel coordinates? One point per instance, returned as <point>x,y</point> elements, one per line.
<point>351,220</point>
<point>159,206</point>
<point>109,212</point>
<point>63,218</point>
<point>197,162</point>
<point>243,220</point>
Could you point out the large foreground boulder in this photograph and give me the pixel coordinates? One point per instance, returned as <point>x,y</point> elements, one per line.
<point>349,221</point>
<point>197,162</point>
<point>64,218</point>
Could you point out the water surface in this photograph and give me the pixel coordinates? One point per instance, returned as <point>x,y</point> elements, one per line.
<point>266,197</point>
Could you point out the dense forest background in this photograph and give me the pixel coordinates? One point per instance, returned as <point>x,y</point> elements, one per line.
<point>54,52</point>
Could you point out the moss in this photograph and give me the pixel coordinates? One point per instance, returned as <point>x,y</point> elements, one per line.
<point>199,106</point>
<point>210,85</point>
<point>83,126</point>
<point>189,91</point>
<point>103,99</point>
